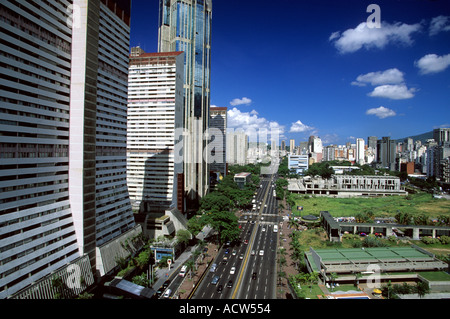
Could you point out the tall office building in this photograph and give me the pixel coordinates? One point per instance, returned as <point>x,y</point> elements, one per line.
<point>360,151</point>
<point>185,25</point>
<point>292,146</point>
<point>441,135</point>
<point>62,135</point>
<point>155,111</point>
<point>237,147</point>
<point>386,154</point>
<point>218,144</point>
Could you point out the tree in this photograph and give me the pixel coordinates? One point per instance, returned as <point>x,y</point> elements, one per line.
<point>183,236</point>
<point>143,259</point>
<point>422,289</point>
<point>226,224</point>
<point>215,201</point>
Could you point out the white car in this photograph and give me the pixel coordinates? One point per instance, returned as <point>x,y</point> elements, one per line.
<point>232,270</point>
<point>167,293</point>
<point>264,229</point>
<point>261,252</point>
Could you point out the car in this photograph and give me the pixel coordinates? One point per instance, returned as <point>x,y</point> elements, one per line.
<point>225,260</point>
<point>219,288</point>
<point>232,270</point>
<point>215,280</point>
<point>241,256</point>
<point>261,252</point>
<point>159,292</point>
<point>213,267</point>
<point>166,284</point>
<point>234,253</point>
<point>167,293</point>
<point>230,284</point>
<point>254,276</point>
<point>246,241</point>
<point>263,229</point>
<point>253,253</point>
<point>227,251</point>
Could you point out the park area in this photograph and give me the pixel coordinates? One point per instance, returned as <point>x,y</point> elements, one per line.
<point>413,204</point>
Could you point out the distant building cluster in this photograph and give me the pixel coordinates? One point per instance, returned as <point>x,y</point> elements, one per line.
<point>418,158</point>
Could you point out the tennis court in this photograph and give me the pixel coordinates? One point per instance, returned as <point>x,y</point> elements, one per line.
<point>379,253</point>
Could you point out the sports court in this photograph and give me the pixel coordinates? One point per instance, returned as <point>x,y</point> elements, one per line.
<point>351,260</point>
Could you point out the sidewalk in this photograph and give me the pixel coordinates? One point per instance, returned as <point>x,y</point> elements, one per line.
<point>164,274</point>
<point>189,284</point>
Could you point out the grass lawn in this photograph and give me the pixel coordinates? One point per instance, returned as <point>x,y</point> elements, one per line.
<point>315,291</point>
<point>435,275</point>
<point>413,204</point>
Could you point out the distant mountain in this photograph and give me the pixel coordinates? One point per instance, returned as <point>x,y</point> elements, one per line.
<point>421,137</point>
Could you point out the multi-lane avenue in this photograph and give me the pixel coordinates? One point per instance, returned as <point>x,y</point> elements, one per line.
<point>247,269</point>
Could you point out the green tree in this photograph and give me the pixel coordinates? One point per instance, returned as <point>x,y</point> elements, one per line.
<point>143,259</point>
<point>226,224</point>
<point>183,236</point>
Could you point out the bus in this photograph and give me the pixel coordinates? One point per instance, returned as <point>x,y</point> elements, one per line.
<point>275,228</point>
<point>183,271</point>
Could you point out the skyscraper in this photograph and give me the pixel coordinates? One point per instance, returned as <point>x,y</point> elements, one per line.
<point>186,26</point>
<point>386,152</point>
<point>62,135</point>
<point>360,151</point>
<point>237,147</point>
<point>155,111</point>
<point>218,130</point>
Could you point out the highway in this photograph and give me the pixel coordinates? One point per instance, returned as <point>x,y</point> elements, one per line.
<point>247,269</point>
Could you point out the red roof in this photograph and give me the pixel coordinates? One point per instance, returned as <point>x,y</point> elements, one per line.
<point>217,108</point>
<point>158,54</point>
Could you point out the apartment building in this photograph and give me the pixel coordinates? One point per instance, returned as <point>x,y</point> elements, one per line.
<point>62,137</point>
<point>155,124</point>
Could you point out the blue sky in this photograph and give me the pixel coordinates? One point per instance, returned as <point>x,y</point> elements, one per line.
<point>316,68</point>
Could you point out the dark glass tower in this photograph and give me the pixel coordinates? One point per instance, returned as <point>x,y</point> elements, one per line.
<point>186,26</point>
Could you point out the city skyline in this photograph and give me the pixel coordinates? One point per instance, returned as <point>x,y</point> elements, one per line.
<point>317,69</point>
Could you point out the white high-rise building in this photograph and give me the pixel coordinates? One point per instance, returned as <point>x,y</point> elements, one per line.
<point>63,191</point>
<point>237,148</point>
<point>155,111</point>
<point>360,151</point>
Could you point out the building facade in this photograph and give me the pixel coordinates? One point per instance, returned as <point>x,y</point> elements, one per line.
<point>237,148</point>
<point>218,144</point>
<point>62,135</point>
<point>386,153</point>
<point>155,121</point>
<point>298,164</point>
<point>186,26</point>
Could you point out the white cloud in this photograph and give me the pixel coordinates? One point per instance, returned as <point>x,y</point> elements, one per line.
<point>438,24</point>
<point>390,76</point>
<point>252,124</point>
<point>394,92</point>
<point>381,112</point>
<point>362,36</point>
<point>243,101</point>
<point>432,63</point>
<point>298,127</point>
